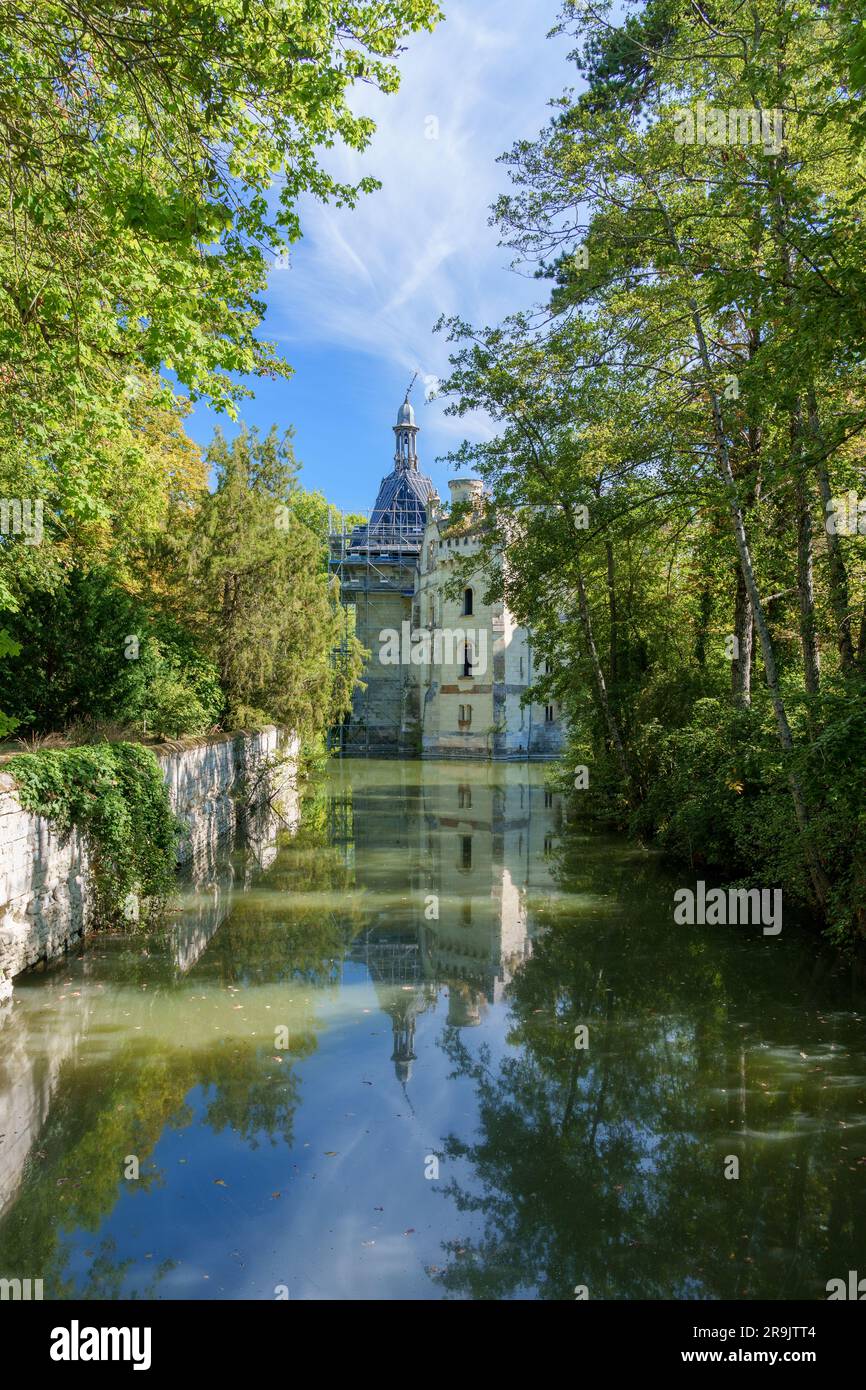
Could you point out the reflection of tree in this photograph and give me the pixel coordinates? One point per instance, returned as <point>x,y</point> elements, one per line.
<point>605,1167</point>
<point>78,1177</point>
<point>294,924</point>
<point>248,1092</point>
<point>100,1114</point>
<point>107,1273</point>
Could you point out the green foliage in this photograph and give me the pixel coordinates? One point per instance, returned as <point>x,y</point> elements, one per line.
<point>8,647</point>
<point>717,797</point>
<point>174,708</point>
<point>156,162</point>
<point>89,650</point>
<point>115,796</point>
<point>136,226</point>
<point>695,385</point>
<point>267,615</point>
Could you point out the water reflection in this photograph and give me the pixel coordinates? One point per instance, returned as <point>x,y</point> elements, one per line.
<point>474,844</point>
<point>337,1010</point>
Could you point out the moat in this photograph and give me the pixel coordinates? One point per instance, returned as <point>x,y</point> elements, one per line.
<point>347,1069</point>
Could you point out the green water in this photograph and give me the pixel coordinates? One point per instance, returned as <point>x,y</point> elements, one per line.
<point>348,1070</point>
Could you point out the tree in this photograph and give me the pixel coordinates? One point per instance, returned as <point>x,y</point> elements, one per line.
<point>695,381</point>
<point>266,610</point>
<point>137,225</point>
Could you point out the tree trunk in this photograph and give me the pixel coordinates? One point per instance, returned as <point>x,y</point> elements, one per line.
<point>611,604</point>
<point>805,561</point>
<point>608,715</point>
<point>601,685</point>
<point>861,642</point>
<point>705,613</point>
<point>817,875</point>
<point>744,631</point>
<point>838,574</point>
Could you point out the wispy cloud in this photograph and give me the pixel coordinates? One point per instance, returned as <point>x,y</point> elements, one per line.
<point>376,279</point>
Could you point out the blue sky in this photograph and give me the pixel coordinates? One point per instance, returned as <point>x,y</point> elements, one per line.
<point>354,311</point>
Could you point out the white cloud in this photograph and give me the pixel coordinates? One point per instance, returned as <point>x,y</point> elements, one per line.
<point>377,278</point>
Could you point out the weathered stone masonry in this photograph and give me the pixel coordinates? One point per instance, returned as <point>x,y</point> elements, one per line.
<point>44,904</point>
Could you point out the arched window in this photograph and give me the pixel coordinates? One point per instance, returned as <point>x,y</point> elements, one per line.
<point>467,603</point>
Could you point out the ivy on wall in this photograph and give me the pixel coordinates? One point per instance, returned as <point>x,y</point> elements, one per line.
<point>115,796</point>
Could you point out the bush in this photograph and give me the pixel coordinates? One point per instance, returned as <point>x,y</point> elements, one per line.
<point>717,797</point>
<point>88,650</point>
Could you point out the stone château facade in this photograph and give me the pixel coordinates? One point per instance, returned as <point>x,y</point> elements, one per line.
<point>445,675</point>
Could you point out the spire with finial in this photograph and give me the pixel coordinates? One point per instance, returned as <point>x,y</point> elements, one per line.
<point>405,431</point>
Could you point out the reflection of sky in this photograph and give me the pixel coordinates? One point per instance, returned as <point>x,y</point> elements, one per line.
<point>312,1238</point>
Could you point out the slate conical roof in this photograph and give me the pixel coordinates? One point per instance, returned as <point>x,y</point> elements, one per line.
<point>402,501</point>
<point>400,511</point>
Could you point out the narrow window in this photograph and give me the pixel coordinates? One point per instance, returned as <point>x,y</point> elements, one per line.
<point>548,714</point>
<point>467,603</point>
<point>466,851</point>
<point>548,800</point>
<point>468,659</point>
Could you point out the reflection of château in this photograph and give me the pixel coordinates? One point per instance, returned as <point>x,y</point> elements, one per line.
<point>462,922</point>
<point>393,963</point>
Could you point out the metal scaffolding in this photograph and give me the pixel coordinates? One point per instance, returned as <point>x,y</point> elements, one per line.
<point>366,560</point>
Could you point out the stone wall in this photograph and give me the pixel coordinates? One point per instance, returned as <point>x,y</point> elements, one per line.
<point>44,901</point>
<point>33,1056</point>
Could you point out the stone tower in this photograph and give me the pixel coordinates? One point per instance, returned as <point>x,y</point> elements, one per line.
<point>378,566</point>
